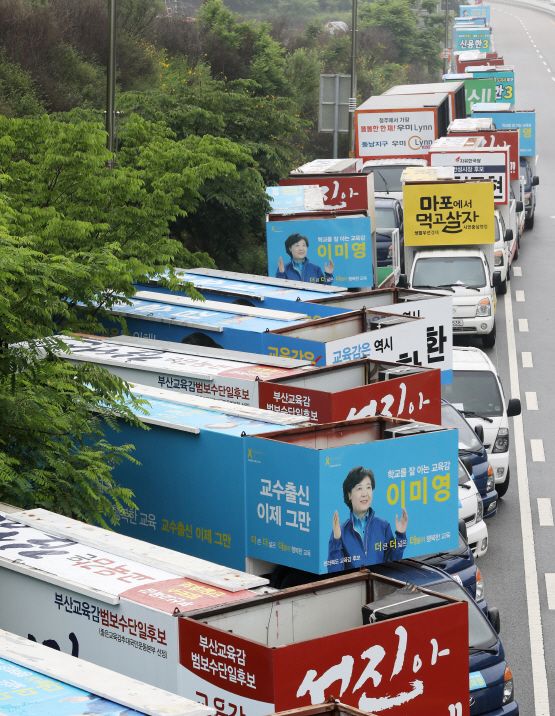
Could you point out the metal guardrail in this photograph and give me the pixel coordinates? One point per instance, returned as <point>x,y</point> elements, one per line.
<point>539,5</point>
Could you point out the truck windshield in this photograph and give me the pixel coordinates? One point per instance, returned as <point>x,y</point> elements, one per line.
<point>387,178</point>
<point>451,418</point>
<point>385,219</point>
<point>447,271</point>
<point>476,390</point>
<point>480,633</point>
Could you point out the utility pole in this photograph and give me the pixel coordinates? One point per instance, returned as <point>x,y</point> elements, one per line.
<point>445,60</point>
<point>353,98</point>
<point>111,81</point>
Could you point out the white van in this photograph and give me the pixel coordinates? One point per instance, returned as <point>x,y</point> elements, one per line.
<point>471,510</point>
<point>477,392</point>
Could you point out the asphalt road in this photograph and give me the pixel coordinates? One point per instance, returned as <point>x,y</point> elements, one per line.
<point>521,551</point>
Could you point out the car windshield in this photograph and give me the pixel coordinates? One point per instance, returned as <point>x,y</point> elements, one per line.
<point>390,176</point>
<point>385,219</point>
<point>451,418</point>
<point>464,477</point>
<point>480,633</point>
<point>477,391</point>
<point>497,237</point>
<point>444,271</point>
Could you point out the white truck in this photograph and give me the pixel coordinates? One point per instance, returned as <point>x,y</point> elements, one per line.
<point>450,246</point>
<point>387,175</point>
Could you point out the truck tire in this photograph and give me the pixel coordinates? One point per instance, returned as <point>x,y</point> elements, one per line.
<point>502,288</point>
<point>502,487</point>
<point>529,223</point>
<point>488,341</point>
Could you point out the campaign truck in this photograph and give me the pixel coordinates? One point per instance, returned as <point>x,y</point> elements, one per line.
<point>506,118</point>
<point>472,160</point>
<point>358,389</point>
<point>39,679</point>
<point>449,246</point>
<point>107,599</point>
<point>397,126</point>
<point>475,58</point>
<point>456,91</point>
<point>476,90</point>
<point>504,77</point>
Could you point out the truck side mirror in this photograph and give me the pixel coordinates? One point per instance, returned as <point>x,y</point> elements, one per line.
<point>535,181</point>
<point>462,529</point>
<point>494,619</point>
<point>403,282</point>
<point>519,207</point>
<point>479,430</point>
<point>496,279</point>
<point>514,408</point>
<point>467,462</point>
<point>509,235</point>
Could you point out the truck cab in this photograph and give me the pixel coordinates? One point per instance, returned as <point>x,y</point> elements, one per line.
<point>530,191</point>
<point>387,175</point>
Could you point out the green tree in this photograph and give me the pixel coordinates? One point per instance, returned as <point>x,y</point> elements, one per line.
<point>74,237</point>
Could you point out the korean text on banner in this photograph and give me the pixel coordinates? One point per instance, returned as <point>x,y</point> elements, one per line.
<point>449,214</point>
<point>525,122</point>
<point>491,166</point>
<point>395,134</point>
<point>332,251</point>
<point>411,510</point>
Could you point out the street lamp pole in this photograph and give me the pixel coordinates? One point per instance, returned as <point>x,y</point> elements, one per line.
<point>353,99</point>
<point>111,79</point>
<point>445,60</point>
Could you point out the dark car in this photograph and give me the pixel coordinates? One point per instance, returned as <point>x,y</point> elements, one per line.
<point>389,216</point>
<point>471,446</point>
<point>530,184</point>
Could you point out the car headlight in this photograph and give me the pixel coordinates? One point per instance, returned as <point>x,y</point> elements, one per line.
<point>501,443</point>
<point>491,480</point>
<point>483,308</point>
<point>527,200</point>
<point>498,258</point>
<point>480,510</point>
<point>508,687</point>
<point>479,586</point>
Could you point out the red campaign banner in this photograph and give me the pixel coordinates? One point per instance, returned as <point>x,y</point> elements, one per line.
<point>494,62</point>
<point>416,397</point>
<point>182,593</point>
<point>231,663</point>
<point>342,192</point>
<point>499,138</point>
<point>417,665</point>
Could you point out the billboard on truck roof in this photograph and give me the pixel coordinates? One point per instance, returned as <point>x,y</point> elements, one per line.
<point>446,214</point>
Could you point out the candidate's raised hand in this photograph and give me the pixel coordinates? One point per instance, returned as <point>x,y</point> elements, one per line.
<point>401,524</point>
<point>281,267</point>
<point>329,267</point>
<point>336,526</point>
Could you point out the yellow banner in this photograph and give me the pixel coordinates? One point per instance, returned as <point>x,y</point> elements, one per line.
<point>448,214</point>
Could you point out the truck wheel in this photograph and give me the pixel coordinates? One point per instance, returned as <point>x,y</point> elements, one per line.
<point>488,341</point>
<point>529,223</point>
<point>517,250</point>
<point>502,288</point>
<point>502,487</point>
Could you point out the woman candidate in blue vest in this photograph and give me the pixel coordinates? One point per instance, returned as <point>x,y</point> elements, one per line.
<point>364,538</point>
<point>300,268</point>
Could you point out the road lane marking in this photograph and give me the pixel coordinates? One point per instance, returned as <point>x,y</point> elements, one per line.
<point>519,295</point>
<point>550,587</point>
<point>531,401</point>
<point>536,447</point>
<point>517,271</point>
<point>523,325</point>
<point>545,512</point>
<point>539,673</point>
<point>527,360</point>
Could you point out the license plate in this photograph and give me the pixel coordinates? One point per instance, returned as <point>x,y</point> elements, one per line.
<point>458,322</point>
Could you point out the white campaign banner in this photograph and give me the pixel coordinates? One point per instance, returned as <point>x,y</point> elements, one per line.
<point>399,133</point>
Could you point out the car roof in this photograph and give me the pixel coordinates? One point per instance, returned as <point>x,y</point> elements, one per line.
<point>471,359</point>
<point>384,201</point>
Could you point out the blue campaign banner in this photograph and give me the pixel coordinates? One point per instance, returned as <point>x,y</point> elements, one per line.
<point>28,693</point>
<point>475,11</point>
<point>469,38</point>
<point>329,251</point>
<point>403,492</point>
<point>287,199</point>
<point>525,122</point>
<point>504,83</point>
